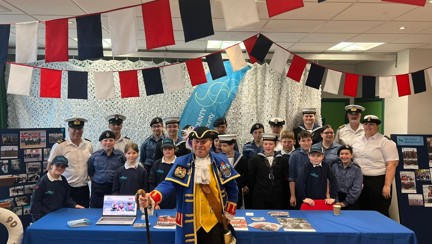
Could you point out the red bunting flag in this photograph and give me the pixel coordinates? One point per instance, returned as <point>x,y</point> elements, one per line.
<point>403,85</point>
<point>421,3</point>
<point>351,84</point>
<point>275,7</point>
<point>50,83</point>
<point>56,40</point>
<point>129,83</point>
<point>196,71</point>
<point>249,44</point>
<point>296,68</point>
<point>158,25</point>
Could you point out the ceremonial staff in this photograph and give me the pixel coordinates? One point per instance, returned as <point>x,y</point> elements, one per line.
<point>141,192</point>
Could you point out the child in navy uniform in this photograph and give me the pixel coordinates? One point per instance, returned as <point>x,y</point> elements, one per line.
<point>313,181</point>
<point>131,176</point>
<point>52,191</point>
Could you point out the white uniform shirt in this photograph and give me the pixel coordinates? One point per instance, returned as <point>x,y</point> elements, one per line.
<point>120,144</point>
<point>76,173</point>
<point>373,154</point>
<point>346,135</point>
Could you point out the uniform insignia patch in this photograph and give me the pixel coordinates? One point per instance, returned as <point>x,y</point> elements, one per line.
<point>180,172</point>
<point>225,169</point>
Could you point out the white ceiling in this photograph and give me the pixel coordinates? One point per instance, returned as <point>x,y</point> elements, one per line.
<point>308,30</point>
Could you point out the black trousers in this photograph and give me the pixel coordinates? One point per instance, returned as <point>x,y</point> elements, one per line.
<point>98,193</point>
<point>215,236</point>
<point>371,197</point>
<point>81,195</point>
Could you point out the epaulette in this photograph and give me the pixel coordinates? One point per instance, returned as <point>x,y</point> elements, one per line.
<point>61,140</point>
<point>342,126</point>
<point>388,138</point>
<point>126,137</point>
<point>87,139</point>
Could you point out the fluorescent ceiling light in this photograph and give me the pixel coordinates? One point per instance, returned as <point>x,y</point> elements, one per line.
<point>354,46</point>
<point>214,44</point>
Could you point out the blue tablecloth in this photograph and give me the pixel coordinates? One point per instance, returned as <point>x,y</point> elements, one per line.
<point>350,227</point>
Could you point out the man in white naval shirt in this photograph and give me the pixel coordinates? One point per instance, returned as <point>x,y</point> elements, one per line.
<point>77,150</point>
<point>346,133</point>
<point>115,124</point>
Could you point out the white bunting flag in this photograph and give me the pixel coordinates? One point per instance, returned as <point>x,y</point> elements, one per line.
<point>429,75</point>
<point>26,42</point>
<point>104,85</point>
<point>122,29</point>
<point>239,13</point>
<point>279,59</point>
<point>236,58</point>
<point>386,86</point>
<point>174,77</point>
<point>19,80</point>
<point>332,81</point>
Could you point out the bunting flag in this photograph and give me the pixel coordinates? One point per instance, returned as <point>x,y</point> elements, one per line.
<point>26,42</point>
<point>19,80</point>
<point>316,74</point>
<point>421,3</point>
<point>236,58</point>
<point>275,7</point>
<point>50,83</point>
<point>249,44</point>
<point>261,48</point>
<point>216,66</point>
<point>77,85</point>
<point>332,82</point>
<point>56,40</point>
<point>4,43</point>
<point>89,33</point>
<point>158,25</point>
<point>429,74</point>
<point>296,68</point>
<point>196,71</point>
<point>239,13</point>
<point>279,59</point>
<point>129,83</point>
<point>196,19</point>
<point>418,81</point>
<point>403,85</point>
<point>368,86</point>
<point>385,86</point>
<point>152,81</point>
<point>351,84</point>
<point>104,85</point>
<point>174,77</point>
<point>122,30</point>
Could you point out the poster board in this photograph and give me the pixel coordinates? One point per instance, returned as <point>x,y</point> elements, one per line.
<point>414,183</point>
<point>23,154</point>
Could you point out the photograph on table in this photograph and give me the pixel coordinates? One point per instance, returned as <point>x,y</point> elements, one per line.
<point>267,226</point>
<point>429,147</point>
<point>423,174</point>
<point>239,224</point>
<point>16,191</point>
<point>8,152</point>
<point>32,155</point>
<point>408,183</point>
<point>295,224</point>
<point>23,200</point>
<point>427,194</point>
<point>15,166</point>
<point>4,166</point>
<point>415,200</point>
<point>54,137</point>
<point>410,160</point>
<point>165,222</point>
<point>32,139</point>
<point>28,189</point>
<point>33,178</point>
<point>33,168</point>
<point>9,139</point>
<point>46,153</point>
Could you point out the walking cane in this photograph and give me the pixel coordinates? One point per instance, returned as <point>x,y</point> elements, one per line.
<point>141,192</point>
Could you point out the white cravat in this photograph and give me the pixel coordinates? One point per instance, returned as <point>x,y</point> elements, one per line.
<point>202,171</point>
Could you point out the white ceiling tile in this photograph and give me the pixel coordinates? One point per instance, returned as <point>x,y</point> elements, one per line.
<point>293,25</point>
<point>311,47</point>
<point>327,37</point>
<point>48,7</point>
<point>96,6</point>
<point>394,47</point>
<point>415,38</point>
<point>285,37</point>
<point>417,14</point>
<point>347,26</point>
<point>393,27</point>
<point>315,11</point>
<point>376,37</point>
<point>373,11</point>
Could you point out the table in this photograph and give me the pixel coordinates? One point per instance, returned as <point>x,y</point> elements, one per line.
<point>350,227</point>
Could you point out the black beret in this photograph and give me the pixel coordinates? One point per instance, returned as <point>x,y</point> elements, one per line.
<point>203,132</point>
<point>219,121</point>
<point>107,134</point>
<point>156,120</point>
<point>256,126</point>
<point>343,147</point>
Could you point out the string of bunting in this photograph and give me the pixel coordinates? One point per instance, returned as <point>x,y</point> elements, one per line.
<point>257,47</point>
